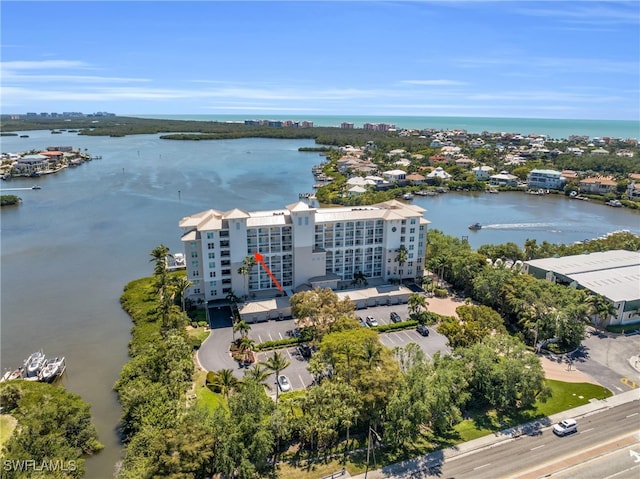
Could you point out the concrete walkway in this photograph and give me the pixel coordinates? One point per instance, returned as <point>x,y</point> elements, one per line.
<point>422,462</point>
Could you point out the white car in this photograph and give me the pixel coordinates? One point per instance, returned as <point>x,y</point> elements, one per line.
<point>371,321</point>
<point>284,383</point>
<point>565,427</point>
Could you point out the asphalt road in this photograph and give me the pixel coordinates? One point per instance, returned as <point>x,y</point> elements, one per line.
<point>604,439</point>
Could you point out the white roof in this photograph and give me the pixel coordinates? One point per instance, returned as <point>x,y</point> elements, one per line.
<point>585,263</point>
<point>613,274</point>
<point>618,284</point>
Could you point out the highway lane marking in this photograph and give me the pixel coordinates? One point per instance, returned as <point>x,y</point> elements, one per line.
<point>586,430</point>
<point>537,447</point>
<point>621,472</point>
<point>634,414</point>
<point>480,467</point>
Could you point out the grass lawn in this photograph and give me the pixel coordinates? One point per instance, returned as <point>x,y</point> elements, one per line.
<point>7,425</point>
<point>205,397</point>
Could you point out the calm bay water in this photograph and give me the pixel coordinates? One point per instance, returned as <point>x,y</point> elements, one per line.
<point>69,248</point>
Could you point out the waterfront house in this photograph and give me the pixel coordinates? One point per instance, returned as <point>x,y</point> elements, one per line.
<point>395,175</point>
<point>439,173</point>
<point>503,179</point>
<point>570,175</point>
<point>31,164</point>
<point>598,185</point>
<point>546,179</point>
<point>482,172</point>
<point>415,179</point>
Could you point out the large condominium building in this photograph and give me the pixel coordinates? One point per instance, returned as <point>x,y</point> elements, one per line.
<point>302,245</point>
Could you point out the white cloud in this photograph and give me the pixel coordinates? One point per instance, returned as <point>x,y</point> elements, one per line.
<point>434,82</point>
<point>43,65</point>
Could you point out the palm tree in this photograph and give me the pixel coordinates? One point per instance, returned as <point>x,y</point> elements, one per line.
<point>159,256</point>
<point>402,257</point>
<point>225,381</point>
<point>276,363</point>
<point>371,353</point>
<point>601,307</point>
<point>259,374</point>
<point>242,327</point>
<point>182,283</point>
<point>416,303</point>
<point>245,270</point>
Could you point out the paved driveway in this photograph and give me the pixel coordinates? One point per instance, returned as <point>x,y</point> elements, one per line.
<point>214,352</point>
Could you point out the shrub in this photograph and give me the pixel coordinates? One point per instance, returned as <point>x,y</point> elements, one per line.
<point>279,343</point>
<point>383,328</point>
<point>440,293</point>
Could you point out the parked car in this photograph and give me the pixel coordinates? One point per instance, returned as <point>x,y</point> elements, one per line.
<point>284,383</point>
<point>395,317</point>
<point>565,427</point>
<point>305,350</point>
<point>363,322</point>
<point>422,329</point>
<point>371,321</point>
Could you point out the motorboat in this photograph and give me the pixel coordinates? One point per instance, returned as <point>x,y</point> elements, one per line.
<point>475,226</point>
<point>11,375</point>
<point>36,187</point>
<point>34,364</point>
<point>52,369</point>
<point>407,196</point>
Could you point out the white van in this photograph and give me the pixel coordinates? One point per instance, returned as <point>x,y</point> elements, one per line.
<point>565,427</point>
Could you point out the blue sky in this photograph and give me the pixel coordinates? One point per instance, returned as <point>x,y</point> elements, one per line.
<point>549,59</point>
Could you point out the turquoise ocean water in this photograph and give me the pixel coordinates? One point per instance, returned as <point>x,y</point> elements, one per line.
<point>553,128</point>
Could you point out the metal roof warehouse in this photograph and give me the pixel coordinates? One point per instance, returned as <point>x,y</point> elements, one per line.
<point>612,274</point>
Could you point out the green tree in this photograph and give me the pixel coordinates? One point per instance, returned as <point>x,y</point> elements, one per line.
<point>417,304</point>
<point>245,270</point>
<point>473,324</point>
<point>224,381</point>
<point>601,307</point>
<point>319,310</point>
<point>277,363</point>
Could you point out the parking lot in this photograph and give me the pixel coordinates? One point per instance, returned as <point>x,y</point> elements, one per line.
<point>297,372</point>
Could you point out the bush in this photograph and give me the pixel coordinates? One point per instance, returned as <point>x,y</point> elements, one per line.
<point>279,343</point>
<point>384,328</point>
<point>440,293</point>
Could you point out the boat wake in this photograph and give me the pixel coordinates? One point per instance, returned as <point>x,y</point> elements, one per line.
<point>521,226</point>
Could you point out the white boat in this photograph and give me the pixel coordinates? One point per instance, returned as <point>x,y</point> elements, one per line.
<point>407,196</point>
<point>11,375</point>
<point>475,226</point>
<point>34,364</point>
<point>36,187</point>
<point>54,368</point>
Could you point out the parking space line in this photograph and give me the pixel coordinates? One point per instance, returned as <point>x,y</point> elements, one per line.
<point>302,382</point>
<point>260,339</point>
<point>280,334</point>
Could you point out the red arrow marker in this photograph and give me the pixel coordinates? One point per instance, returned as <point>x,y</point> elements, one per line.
<point>260,259</point>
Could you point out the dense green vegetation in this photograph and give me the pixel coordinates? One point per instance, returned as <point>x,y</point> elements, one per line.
<point>233,428</point>
<point>53,430</point>
<point>9,200</point>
